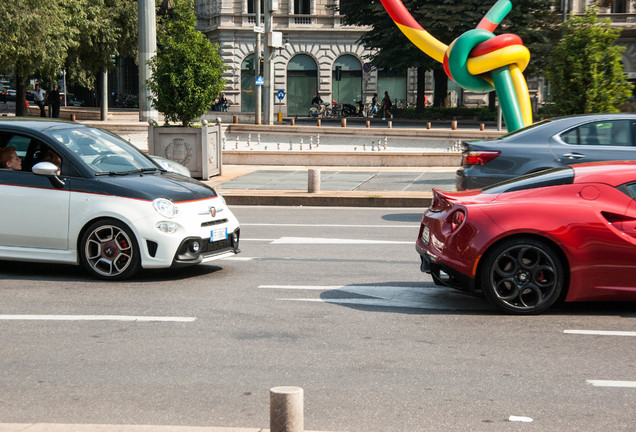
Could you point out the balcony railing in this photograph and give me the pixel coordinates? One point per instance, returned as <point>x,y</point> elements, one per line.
<point>620,18</point>
<point>301,19</point>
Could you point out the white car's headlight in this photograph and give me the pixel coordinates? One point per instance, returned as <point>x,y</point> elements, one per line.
<point>165,208</point>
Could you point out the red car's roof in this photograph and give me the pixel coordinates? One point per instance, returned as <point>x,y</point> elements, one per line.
<point>611,173</point>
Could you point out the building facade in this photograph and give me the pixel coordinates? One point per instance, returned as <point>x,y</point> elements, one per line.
<point>318,54</point>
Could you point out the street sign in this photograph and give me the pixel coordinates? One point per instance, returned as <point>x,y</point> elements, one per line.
<point>366,67</point>
<point>260,80</point>
<point>280,94</point>
<point>258,29</point>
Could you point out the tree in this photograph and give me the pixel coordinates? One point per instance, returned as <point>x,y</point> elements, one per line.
<point>41,37</point>
<point>107,28</point>
<point>533,20</point>
<point>35,36</point>
<point>585,72</point>
<point>187,72</point>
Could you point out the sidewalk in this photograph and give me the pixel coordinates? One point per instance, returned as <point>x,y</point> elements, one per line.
<point>339,186</point>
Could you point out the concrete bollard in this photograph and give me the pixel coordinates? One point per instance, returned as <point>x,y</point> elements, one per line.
<point>482,127</point>
<point>368,123</point>
<point>428,125</point>
<point>313,180</point>
<point>389,124</point>
<point>286,409</point>
<point>293,121</point>
<point>72,117</point>
<point>454,125</point>
<point>235,119</point>
<point>318,122</point>
<point>343,122</point>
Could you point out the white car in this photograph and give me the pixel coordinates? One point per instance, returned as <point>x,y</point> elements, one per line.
<point>84,195</point>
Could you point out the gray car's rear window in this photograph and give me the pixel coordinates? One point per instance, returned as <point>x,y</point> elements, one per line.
<point>524,129</point>
<point>552,177</point>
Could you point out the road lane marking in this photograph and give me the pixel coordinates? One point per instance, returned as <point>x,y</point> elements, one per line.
<point>127,318</point>
<point>396,296</point>
<point>318,240</point>
<point>609,383</point>
<point>303,287</point>
<point>238,258</point>
<point>521,419</point>
<point>330,225</point>
<point>600,332</point>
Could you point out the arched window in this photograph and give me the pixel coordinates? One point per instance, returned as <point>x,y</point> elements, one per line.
<point>302,84</point>
<point>346,82</point>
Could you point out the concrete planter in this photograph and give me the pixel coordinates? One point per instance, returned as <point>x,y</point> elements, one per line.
<point>198,149</point>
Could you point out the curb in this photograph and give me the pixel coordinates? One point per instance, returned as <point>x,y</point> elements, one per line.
<point>325,199</point>
<point>60,427</point>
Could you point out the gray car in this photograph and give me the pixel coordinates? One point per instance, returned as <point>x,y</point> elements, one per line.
<point>548,144</point>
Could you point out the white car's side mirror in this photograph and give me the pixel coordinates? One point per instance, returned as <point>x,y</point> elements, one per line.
<point>45,169</point>
<point>49,170</point>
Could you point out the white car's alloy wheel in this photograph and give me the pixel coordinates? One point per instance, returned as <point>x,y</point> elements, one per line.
<point>109,250</point>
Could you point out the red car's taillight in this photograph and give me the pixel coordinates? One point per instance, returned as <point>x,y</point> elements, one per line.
<point>479,157</point>
<point>457,219</point>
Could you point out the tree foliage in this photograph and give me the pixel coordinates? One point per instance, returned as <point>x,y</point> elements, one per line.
<point>533,20</point>
<point>35,36</point>
<point>585,72</point>
<point>187,72</point>
<point>38,38</point>
<point>107,28</point>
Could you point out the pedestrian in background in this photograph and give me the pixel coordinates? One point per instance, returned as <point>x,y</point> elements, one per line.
<point>55,100</point>
<point>223,102</point>
<point>374,105</point>
<point>38,96</point>
<point>386,106</point>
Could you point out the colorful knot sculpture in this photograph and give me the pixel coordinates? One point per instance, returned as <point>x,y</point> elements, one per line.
<point>478,60</point>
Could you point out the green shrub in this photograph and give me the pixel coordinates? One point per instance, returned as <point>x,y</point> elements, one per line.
<point>187,72</point>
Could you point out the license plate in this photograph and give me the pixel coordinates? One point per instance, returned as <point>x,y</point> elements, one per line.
<point>218,234</point>
<point>425,234</point>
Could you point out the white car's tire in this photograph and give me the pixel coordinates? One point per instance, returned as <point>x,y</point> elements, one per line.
<point>109,250</point>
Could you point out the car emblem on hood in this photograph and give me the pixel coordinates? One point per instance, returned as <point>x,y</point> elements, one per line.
<point>212,211</point>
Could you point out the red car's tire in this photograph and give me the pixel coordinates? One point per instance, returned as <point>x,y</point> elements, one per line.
<point>522,276</point>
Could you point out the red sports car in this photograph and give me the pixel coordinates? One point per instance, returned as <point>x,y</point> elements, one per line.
<point>563,234</point>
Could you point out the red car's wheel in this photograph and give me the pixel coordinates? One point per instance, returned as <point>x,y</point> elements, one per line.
<point>522,276</point>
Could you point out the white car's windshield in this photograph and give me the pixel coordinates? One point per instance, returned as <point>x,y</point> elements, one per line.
<point>102,152</point>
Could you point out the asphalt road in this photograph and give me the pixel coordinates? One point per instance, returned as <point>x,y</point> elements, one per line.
<point>327,299</point>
